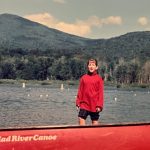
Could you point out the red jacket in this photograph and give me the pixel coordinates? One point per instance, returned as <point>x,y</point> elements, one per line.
<point>90,92</point>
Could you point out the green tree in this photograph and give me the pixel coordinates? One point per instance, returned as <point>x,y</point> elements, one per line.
<point>120,73</point>
<point>7,70</point>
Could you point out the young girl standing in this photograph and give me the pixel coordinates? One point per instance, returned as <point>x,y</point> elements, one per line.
<point>90,94</point>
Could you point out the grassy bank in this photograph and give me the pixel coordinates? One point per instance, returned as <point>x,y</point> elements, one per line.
<point>67,83</point>
<point>49,83</point>
<point>127,86</point>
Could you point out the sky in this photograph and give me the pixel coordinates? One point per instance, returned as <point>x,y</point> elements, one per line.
<point>94,19</point>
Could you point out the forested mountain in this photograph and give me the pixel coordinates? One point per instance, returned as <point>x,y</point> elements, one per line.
<point>17,32</point>
<point>29,50</point>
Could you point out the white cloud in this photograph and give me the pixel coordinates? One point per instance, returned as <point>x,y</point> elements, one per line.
<point>143,21</point>
<point>59,1</point>
<point>44,18</point>
<point>79,27</point>
<point>116,20</point>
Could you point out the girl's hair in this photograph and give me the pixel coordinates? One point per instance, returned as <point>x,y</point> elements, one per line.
<point>95,60</point>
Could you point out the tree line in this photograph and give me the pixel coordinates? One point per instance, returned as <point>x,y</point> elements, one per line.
<point>69,65</point>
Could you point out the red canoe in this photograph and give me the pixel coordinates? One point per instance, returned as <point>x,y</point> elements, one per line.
<point>103,137</point>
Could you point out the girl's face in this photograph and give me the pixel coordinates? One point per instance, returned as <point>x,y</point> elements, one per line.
<point>92,66</point>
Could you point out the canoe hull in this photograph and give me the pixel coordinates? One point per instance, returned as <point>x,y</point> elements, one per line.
<point>107,137</point>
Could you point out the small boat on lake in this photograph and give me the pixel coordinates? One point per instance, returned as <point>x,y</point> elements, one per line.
<point>130,136</point>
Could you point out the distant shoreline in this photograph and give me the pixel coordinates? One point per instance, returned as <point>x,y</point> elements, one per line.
<point>67,83</point>
<point>46,83</point>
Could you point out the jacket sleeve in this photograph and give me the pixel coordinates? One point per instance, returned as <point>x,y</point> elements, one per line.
<point>79,94</point>
<point>101,94</point>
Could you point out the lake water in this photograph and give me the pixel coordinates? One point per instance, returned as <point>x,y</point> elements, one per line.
<point>44,106</point>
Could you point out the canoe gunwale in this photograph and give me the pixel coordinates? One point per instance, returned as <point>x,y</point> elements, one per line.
<point>74,126</point>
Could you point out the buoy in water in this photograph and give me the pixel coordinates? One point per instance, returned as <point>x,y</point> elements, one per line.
<point>115,98</point>
<point>62,87</point>
<point>23,85</point>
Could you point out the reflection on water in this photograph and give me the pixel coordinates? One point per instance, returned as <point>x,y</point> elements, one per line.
<point>36,106</point>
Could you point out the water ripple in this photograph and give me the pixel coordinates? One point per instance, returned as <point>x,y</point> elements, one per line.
<point>34,106</point>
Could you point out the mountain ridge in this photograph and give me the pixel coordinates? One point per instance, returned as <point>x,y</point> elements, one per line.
<point>20,32</point>
<point>17,32</point>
